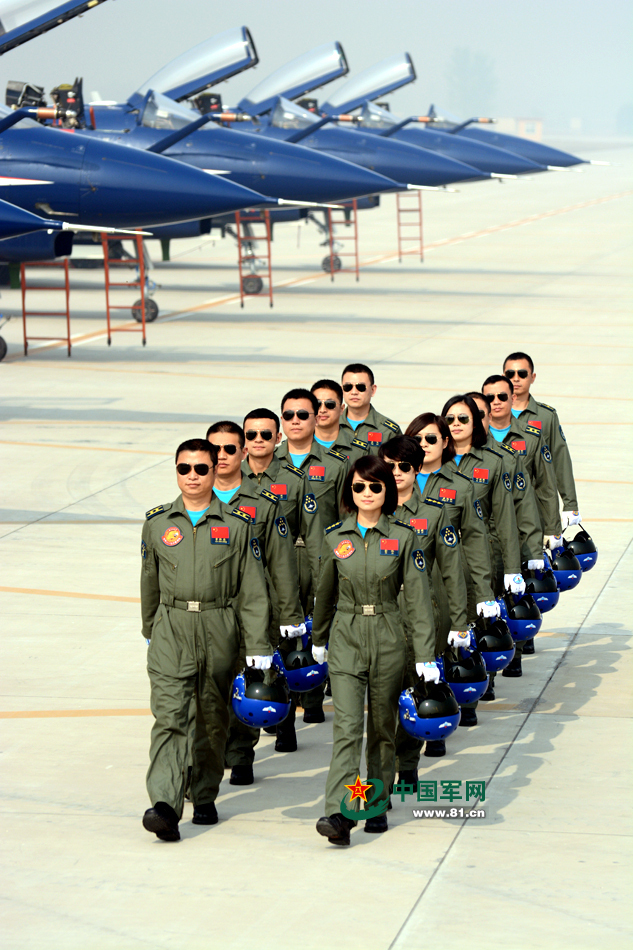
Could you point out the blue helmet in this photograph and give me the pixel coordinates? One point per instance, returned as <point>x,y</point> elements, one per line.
<point>299,668</point>
<point>259,704</point>
<point>521,615</point>
<point>543,587</point>
<point>566,567</point>
<point>494,642</point>
<point>583,546</point>
<point>429,711</point>
<point>465,673</point>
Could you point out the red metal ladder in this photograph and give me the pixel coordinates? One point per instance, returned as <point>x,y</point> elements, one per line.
<point>139,306</point>
<point>46,313</point>
<point>409,219</point>
<point>250,283</point>
<point>349,220</point>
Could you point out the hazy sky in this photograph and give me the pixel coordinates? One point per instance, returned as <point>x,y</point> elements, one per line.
<point>554,59</point>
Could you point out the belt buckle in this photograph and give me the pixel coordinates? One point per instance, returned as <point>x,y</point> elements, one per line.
<point>369,610</point>
<point>194,606</point>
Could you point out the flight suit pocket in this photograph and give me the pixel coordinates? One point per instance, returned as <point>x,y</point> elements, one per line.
<point>227,557</point>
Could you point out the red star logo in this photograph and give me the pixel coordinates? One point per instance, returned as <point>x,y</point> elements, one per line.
<point>358,790</point>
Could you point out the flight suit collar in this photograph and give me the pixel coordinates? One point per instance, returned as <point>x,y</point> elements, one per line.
<point>475,453</point>
<point>531,408</point>
<point>351,524</point>
<point>214,509</point>
<point>269,472</point>
<point>413,503</point>
<point>370,420</point>
<point>313,453</point>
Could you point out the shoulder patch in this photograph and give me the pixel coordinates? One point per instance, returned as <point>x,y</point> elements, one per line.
<point>403,524</point>
<point>295,471</point>
<point>242,515</point>
<point>158,510</point>
<point>487,448</point>
<point>545,452</point>
<point>461,475</point>
<point>449,536</point>
<point>391,425</point>
<point>270,496</point>
<point>434,502</point>
<point>332,527</point>
<point>506,448</point>
<point>337,455</point>
<point>545,406</point>
<point>360,444</point>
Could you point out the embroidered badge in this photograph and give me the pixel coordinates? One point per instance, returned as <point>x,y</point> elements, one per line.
<point>344,549</point>
<point>507,481</point>
<point>143,550</point>
<point>519,446</point>
<point>255,548</point>
<point>374,438</point>
<point>534,426</point>
<point>280,490</point>
<point>389,547</point>
<point>545,452</point>
<point>448,496</point>
<point>562,434</point>
<point>420,525</point>
<point>449,536</point>
<point>219,535</point>
<point>519,481</point>
<point>316,473</point>
<point>360,444</point>
<point>478,509</point>
<point>310,503</point>
<point>481,475</point>
<point>282,527</point>
<point>251,511</point>
<point>172,537</point>
<point>418,560</point>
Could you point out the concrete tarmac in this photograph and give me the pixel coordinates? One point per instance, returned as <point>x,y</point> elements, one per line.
<point>87,445</point>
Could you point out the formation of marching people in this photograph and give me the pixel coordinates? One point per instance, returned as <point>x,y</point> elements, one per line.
<point>401,571</point>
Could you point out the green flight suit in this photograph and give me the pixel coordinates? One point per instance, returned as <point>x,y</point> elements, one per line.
<point>269,526</point>
<point>357,610</point>
<point>525,505</point>
<point>193,583</point>
<point>551,433</point>
<point>439,540</point>
<point>492,484</point>
<point>369,434</point>
<point>536,455</point>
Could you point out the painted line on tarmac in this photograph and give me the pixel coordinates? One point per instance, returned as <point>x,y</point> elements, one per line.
<point>85,448</point>
<point>71,713</point>
<point>66,593</point>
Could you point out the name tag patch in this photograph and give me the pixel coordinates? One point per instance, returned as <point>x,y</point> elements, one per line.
<point>389,547</point>
<point>249,510</point>
<point>420,525</point>
<point>219,535</point>
<point>280,490</point>
<point>448,496</point>
<point>519,446</point>
<point>374,438</point>
<point>344,549</point>
<point>171,537</point>
<point>316,473</point>
<point>481,475</point>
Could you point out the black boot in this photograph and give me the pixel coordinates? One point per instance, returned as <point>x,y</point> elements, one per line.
<point>408,777</point>
<point>205,814</point>
<point>336,828</point>
<point>435,748</point>
<point>514,669</point>
<point>468,717</point>
<point>489,695</point>
<point>376,826</point>
<point>314,715</point>
<point>270,730</point>
<point>286,735</point>
<point>242,775</point>
<point>528,647</point>
<point>162,820</point>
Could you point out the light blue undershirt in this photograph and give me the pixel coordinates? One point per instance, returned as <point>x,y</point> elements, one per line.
<point>298,459</point>
<point>355,423</point>
<point>458,459</point>
<point>328,445</point>
<point>362,530</point>
<point>500,434</point>
<point>196,515</point>
<point>226,495</point>
<point>516,413</point>
<point>422,479</point>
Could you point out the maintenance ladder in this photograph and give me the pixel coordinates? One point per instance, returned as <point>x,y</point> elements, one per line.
<point>250,283</point>
<point>409,218</point>
<point>137,261</point>
<point>349,220</point>
<point>46,313</point>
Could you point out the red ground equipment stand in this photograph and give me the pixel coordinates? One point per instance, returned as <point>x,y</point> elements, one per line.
<point>46,313</point>
<point>250,283</point>
<point>409,218</point>
<point>139,308</point>
<point>348,220</point>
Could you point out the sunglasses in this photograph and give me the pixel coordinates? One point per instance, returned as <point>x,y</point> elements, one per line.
<point>403,466</point>
<point>230,448</point>
<point>510,373</point>
<point>462,417</point>
<point>183,469</point>
<point>360,387</point>
<point>328,403</point>
<point>431,438</point>
<point>502,397</point>
<point>251,434</point>
<point>375,487</point>
<point>289,414</point>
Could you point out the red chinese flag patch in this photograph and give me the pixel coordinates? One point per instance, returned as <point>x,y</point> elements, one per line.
<point>389,547</point>
<point>219,535</point>
<point>535,423</point>
<point>420,525</point>
<point>375,438</point>
<point>251,511</point>
<point>481,474</point>
<point>448,495</point>
<point>519,446</point>
<point>281,490</point>
<point>316,473</point>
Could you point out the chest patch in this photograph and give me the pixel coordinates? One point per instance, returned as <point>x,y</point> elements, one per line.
<point>251,511</point>
<point>449,536</point>
<point>171,537</point>
<point>481,475</point>
<point>420,525</point>
<point>534,426</point>
<point>418,560</point>
<point>282,527</point>
<point>374,438</point>
<point>519,446</point>
<point>344,549</point>
<point>507,481</point>
<point>316,473</point>
<point>219,534</point>
<point>310,504</point>
<point>389,547</point>
<point>280,490</point>
<point>448,496</point>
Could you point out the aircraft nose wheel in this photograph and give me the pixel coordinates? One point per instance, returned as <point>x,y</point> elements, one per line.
<point>151,310</point>
<point>252,285</point>
<point>335,265</point>
<point>3,348</point>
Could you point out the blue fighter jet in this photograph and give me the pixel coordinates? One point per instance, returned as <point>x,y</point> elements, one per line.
<point>21,21</point>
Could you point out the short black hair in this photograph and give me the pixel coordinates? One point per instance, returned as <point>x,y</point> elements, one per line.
<point>428,419</point>
<point>370,468</point>
<point>198,445</point>
<point>475,395</point>
<point>263,414</point>
<point>301,394</point>
<point>404,448</point>
<point>358,368</point>
<point>232,428</point>
<point>479,438</point>
<point>519,356</point>
<point>496,378</point>
<point>331,385</point>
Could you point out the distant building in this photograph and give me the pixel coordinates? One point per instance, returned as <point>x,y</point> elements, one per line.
<point>525,128</point>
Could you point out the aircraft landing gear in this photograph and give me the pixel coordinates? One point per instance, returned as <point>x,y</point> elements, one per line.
<point>151,310</point>
<point>252,285</point>
<point>330,263</point>
<point>3,348</point>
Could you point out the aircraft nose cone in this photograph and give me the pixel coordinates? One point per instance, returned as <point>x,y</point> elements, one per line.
<point>487,158</point>
<point>419,166</point>
<point>535,151</point>
<point>16,221</point>
<point>134,188</point>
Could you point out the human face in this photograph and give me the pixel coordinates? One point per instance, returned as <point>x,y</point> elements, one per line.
<point>404,480</point>
<point>366,501</point>
<point>461,431</point>
<point>432,453</point>
<point>327,417</point>
<point>193,486</point>
<point>355,400</point>
<point>521,386</point>
<point>500,410</point>
<point>260,447</point>
<point>228,465</point>
<point>483,407</point>
<point>298,430</point>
